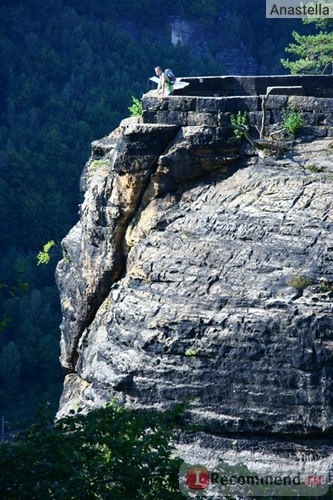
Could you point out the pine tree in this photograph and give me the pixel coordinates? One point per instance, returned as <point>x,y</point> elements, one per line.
<point>314,52</point>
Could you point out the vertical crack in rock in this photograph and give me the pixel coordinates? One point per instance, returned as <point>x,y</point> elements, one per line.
<point>115,179</point>
<point>205,309</point>
<point>135,164</point>
<point>227,295</point>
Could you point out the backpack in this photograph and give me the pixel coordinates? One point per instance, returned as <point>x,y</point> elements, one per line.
<point>171,77</point>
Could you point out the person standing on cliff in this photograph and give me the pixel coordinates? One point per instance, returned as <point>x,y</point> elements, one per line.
<point>165,86</point>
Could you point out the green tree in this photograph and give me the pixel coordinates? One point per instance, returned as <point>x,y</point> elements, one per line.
<point>110,453</point>
<point>206,8</point>
<point>10,367</point>
<point>314,52</point>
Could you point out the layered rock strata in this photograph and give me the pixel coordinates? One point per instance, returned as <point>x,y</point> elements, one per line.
<point>199,271</point>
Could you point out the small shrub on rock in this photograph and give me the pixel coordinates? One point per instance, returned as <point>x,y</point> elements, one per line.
<point>292,121</point>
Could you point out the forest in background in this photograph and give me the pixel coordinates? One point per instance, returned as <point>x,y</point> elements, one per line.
<point>68,70</point>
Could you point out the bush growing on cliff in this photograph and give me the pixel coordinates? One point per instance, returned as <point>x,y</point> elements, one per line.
<point>136,108</point>
<point>292,121</point>
<point>239,121</point>
<point>108,453</point>
<point>43,256</point>
<point>300,282</point>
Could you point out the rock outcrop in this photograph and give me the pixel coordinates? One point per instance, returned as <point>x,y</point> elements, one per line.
<point>200,271</point>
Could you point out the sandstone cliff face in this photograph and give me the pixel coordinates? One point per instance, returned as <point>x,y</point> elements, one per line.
<point>198,270</point>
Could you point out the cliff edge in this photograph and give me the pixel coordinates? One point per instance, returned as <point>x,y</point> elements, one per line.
<point>200,271</point>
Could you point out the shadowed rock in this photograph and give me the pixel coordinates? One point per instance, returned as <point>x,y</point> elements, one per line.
<point>183,280</point>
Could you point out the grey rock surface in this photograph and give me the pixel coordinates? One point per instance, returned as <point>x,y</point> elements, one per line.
<point>93,248</point>
<point>199,271</point>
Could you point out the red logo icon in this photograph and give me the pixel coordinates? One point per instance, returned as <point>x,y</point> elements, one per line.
<point>197,478</point>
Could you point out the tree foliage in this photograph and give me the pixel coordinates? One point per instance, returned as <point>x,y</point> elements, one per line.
<point>110,453</point>
<point>314,53</point>
<point>43,256</point>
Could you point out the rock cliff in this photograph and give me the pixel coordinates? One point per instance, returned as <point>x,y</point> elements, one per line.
<point>199,270</point>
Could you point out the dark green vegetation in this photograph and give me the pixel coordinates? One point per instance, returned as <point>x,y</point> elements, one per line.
<point>110,453</point>
<point>67,77</point>
<point>312,53</point>
<point>292,121</point>
<point>68,70</point>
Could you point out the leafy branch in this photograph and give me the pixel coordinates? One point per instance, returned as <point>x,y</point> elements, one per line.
<point>315,53</point>
<point>44,256</point>
<point>136,108</point>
